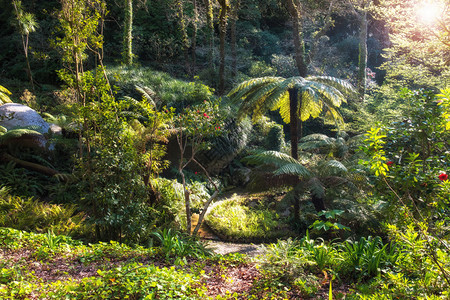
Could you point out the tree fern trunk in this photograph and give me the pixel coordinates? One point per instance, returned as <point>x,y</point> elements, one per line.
<point>319,203</point>
<point>293,109</point>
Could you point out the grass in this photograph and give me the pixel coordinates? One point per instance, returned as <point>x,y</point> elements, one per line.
<point>246,220</point>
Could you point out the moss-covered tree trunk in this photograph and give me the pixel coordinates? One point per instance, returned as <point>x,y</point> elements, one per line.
<point>183,31</point>
<point>224,7</point>
<point>194,36</point>
<point>127,53</point>
<point>362,64</point>
<point>234,18</point>
<point>210,32</point>
<point>295,12</point>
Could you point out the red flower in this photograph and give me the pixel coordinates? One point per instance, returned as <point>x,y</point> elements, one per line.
<point>390,163</point>
<point>207,117</point>
<point>195,173</point>
<point>443,177</point>
<point>205,114</point>
<point>218,127</point>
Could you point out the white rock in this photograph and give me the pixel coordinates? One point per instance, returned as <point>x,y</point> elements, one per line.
<point>14,115</point>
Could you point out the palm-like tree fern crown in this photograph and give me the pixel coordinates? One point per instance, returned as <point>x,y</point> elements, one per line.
<point>316,94</point>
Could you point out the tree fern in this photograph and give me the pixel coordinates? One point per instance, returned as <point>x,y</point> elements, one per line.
<point>315,95</point>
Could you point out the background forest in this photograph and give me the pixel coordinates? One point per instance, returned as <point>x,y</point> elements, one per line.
<point>319,128</point>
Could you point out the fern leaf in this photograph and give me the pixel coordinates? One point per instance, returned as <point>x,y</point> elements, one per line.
<point>269,158</point>
<point>4,95</point>
<point>293,169</point>
<point>317,137</point>
<point>17,133</point>
<point>340,84</point>
<point>147,93</point>
<point>332,167</point>
<point>316,187</point>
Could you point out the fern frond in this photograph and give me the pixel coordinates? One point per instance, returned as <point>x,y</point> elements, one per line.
<point>332,167</point>
<point>147,93</point>
<point>316,187</point>
<point>340,84</point>
<point>269,158</point>
<point>284,108</point>
<point>293,169</point>
<point>17,133</point>
<point>4,95</point>
<point>248,84</point>
<point>317,137</point>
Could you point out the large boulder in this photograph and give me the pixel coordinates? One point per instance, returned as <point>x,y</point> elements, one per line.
<point>14,115</point>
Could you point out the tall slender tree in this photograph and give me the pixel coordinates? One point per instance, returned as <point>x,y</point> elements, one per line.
<point>183,30</point>
<point>223,17</point>
<point>360,10</point>
<point>234,19</point>
<point>210,32</point>
<point>127,52</point>
<point>194,35</point>
<point>26,24</point>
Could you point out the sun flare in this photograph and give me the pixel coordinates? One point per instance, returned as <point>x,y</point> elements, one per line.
<point>429,12</point>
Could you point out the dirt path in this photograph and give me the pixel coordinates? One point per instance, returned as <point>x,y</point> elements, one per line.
<point>223,248</point>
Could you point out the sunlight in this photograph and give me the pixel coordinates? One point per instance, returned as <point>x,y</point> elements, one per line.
<point>429,12</point>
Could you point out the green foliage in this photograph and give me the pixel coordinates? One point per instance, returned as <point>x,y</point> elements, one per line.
<point>316,94</point>
<point>368,257</point>
<point>124,280</point>
<point>4,95</point>
<point>21,181</point>
<point>327,224</point>
<point>133,280</point>
<point>178,246</point>
<point>443,99</point>
<point>168,91</point>
<point>233,220</point>
<point>34,215</point>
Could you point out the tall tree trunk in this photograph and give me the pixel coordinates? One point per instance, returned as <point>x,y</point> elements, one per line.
<point>362,64</point>
<point>297,34</point>
<point>25,49</point>
<point>234,18</point>
<point>194,36</point>
<point>293,95</point>
<point>210,33</point>
<point>128,33</point>
<point>224,4</point>
<point>184,35</point>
